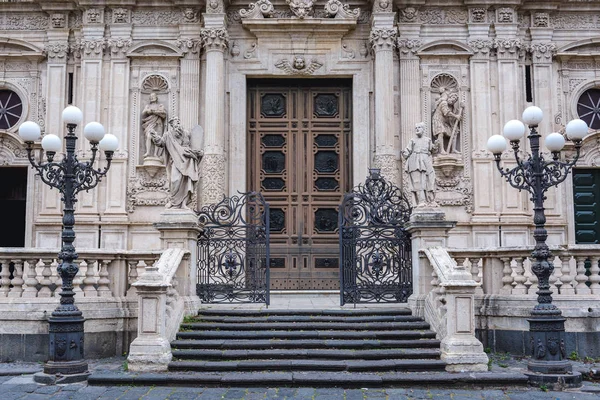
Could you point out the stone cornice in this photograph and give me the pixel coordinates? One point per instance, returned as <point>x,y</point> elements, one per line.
<point>383,39</point>
<point>215,39</point>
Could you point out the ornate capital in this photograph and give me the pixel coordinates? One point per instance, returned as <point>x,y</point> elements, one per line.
<point>508,47</point>
<point>408,46</point>
<point>542,52</point>
<point>481,46</point>
<point>215,39</point>
<point>260,9</point>
<point>189,45</point>
<point>90,48</point>
<point>119,46</point>
<point>57,51</point>
<point>383,39</point>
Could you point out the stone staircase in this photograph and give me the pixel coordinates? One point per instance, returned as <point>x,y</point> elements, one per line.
<point>311,341</point>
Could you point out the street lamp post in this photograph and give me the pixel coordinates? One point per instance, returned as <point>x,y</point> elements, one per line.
<point>70,177</point>
<point>536,175</point>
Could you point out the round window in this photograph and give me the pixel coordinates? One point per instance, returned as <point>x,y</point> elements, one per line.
<point>588,108</point>
<point>11,108</point>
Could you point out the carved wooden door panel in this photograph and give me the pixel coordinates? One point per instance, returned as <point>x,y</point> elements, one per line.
<point>299,153</point>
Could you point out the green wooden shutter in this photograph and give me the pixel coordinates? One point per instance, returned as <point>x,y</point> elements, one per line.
<point>586,197</point>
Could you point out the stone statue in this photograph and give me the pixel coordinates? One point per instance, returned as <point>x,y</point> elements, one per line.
<point>182,162</point>
<point>419,166</point>
<point>444,121</point>
<point>153,123</point>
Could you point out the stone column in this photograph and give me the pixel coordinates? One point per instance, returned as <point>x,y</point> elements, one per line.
<point>410,87</point>
<point>189,81</point>
<point>383,41</point>
<point>213,185</point>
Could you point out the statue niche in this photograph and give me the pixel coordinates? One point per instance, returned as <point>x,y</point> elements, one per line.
<point>446,123</point>
<point>153,122</point>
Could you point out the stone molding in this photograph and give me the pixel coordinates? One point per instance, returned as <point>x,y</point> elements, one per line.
<point>335,9</point>
<point>57,51</point>
<point>542,51</point>
<point>215,39</point>
<point>408,46</point>
<point>260,9</point>
<point>383,39</point>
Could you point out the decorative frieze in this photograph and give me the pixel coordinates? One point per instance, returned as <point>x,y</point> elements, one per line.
<point>409,15</point>
<point>189,45</point>
<point>540,20</point>
<point>21,22</point>
<point>154,18</point>
<point>298,66</point>
<point>94,16</point>
<point>215,39</point>
<point>59,20</point>
<point>335,9</point>
<point>260,9</point>
<point>542,52</point>
<point>119,46</point>
<point>505,15</point>
<point>57,51</point>
<point>121,16</point>
<point>383,39</point>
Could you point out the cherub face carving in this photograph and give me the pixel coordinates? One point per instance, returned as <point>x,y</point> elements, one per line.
<point>505,15</point>
<point>93,16</point>
<point>299,63</point>
<point>58,20</point>
<point>478,15</point>
<point>409,14</point>
<point>189,14</point>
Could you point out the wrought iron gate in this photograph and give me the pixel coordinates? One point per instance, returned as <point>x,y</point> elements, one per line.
<point>233,251</point>
<point>375,248</point>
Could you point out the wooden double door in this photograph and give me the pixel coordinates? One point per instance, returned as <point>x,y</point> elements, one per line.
<point>299,152</point>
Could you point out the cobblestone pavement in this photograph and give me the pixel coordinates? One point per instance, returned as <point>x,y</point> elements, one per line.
<point>23,387</point>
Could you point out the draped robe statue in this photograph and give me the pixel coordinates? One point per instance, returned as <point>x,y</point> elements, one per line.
<point>153,120</point>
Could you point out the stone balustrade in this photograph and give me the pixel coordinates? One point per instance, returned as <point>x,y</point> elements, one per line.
<point>507,271</point>
<point>31,272</point>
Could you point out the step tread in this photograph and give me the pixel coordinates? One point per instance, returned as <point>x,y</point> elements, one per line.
<point>310,353</point>
<point>308,318</point>
<point>333,312</point>
<point>301,343</point>
<point>307,334</point>
<point>305,325</point>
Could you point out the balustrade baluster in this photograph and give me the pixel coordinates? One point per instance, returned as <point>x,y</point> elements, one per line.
<point>507,278</point>
<point>45,290</point>
<point>30,285</point>
<point>566,278</point>
<point>89,282</point>
<point>581,278</point>
<point>17,281</point>
<point>520,277</point>
<point>594,277</point>
<point>104,282</point>
<point>4,277</point>
<point>132,278</point>
<point>460,261</point>
<point>475,272</point>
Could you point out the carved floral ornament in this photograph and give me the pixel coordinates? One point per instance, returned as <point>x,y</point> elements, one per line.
<point>543,51</point>
<point>382,39</point>
<point>300,9</point>
<point>408,46</point>
<point>215,39</point>
<point>57,50</point>
<point>119,45</point>
<point>189,45</point>
<point>335,9</point>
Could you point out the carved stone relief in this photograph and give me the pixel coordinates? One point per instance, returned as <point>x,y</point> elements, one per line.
<point>190,15</point>
<point>260,9</point>
<point>505,15</point>
<point>409,15</point>
<point>298,66</point>
<point>543,51</point>
<point>215,38</point>
<point>94,16</point>
<point>447,114</point>
<point>58,20</point>
<point>540,20</point>
<point>121,16</point>
<point>478,15</point>
<point>153,18</point>
<point>301,8</point>
<point>212,190</point>
<point>119,46</point>
<point>215,7</point>
<point>25,21</point>
<point>146,190</point>
<point>57,51</point>
<point>335,9</point>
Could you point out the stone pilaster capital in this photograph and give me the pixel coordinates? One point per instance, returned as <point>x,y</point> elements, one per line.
<point>119,46</point>
<point>189,45</point>
<point>408,47</point>
<point>57,52</point>
<point>90,48</point>
<point>542,52</point>
<point>215,39</point>
<point>508,48</point>
<point>383,39</point>
<point>481,47</point>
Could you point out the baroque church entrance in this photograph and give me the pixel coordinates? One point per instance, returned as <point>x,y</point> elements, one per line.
<point>299,154</point>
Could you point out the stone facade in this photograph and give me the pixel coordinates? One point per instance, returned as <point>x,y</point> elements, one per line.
<point>197,58</point>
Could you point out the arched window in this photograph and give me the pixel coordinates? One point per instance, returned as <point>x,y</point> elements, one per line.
<point>588,107</point>
<point>11,108</point>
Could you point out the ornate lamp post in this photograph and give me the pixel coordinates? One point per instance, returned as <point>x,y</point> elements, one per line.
<point>536,175</point>
<point>70,177</point>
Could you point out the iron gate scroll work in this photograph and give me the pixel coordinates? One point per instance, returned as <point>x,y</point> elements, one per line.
<point>233,251</point>
<point>375,248</point>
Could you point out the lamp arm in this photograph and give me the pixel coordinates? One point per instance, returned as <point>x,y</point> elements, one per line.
<point>517,177</point>
<point>555,171</point>
<point>87,177</point>
<point>51,173</point>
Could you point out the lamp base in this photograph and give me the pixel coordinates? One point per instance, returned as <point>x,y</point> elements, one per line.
<point>54,379</point>
<point>555,381</point>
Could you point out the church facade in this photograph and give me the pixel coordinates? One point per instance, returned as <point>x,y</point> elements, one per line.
<point>297,99</point>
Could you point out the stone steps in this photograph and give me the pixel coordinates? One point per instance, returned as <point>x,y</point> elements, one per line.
<point>302,326</point>
<point>303,344</point>
<point>289,335</point>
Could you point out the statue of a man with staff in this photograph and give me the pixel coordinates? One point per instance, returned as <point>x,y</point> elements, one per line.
<point>444,122</point>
